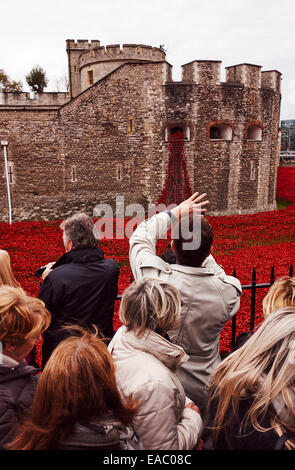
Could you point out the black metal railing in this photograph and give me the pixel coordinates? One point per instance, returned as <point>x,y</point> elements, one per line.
<point>253,287</point>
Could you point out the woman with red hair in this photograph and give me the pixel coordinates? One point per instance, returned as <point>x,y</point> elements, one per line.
<point>77,405</point>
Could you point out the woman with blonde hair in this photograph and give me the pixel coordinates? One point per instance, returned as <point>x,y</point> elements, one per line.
<point>146,363</point>
<point>77,405</point>
<point>281,294</point>
<point>6,276</point>
<point>22,320</point>
<point>252,392</point>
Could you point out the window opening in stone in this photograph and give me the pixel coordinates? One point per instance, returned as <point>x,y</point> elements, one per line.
<point>131,127</point>
<point>254,133</point>
<point>177,129</point>
<point>10,173</point>
<point>252,170</point>
<point>119,172</point>
<point>90,77</point>
<point>221,132</point>
<point>73,174</point>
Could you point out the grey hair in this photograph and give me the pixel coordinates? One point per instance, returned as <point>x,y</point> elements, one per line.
<point>150,304</point>
<point>79,228</point>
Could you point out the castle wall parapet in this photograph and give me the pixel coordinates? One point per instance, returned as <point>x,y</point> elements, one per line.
<point>202,72</point>
<point>115,52</point>
<point>33,99</point>
<point>81,44</point>
<point>247,74</point>
<point>271,79</point>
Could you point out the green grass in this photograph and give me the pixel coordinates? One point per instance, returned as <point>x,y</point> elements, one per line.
<point>283,203</point>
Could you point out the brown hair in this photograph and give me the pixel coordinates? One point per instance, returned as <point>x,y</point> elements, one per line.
<point>150,304</point>
<point>78,383</point>
<point>79,228</point>
<point>194,257</point>
<point>281,294</point>
<point>6,276</point>
<point>21,316</point>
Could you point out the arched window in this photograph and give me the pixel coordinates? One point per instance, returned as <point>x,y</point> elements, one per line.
<point>254,132</point>
<point>220,131</point>
<point>174,128</point>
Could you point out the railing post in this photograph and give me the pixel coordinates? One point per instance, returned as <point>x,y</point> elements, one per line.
<point>234,322</point>
<point>253,299</point>
<point>272,275</point>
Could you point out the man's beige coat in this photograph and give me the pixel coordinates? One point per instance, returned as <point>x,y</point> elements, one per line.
<point>210,298</point>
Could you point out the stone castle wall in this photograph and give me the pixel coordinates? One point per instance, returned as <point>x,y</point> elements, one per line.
<point>90,137</point>
<point>33,99</point>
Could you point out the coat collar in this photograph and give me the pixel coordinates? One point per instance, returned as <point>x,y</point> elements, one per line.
<point>8,362</point>
<point>8,373</point>
<point>201,271</point>
<point>81,255</point>
<point>171,355</point>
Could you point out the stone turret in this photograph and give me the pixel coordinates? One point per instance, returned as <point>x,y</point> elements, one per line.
<point>88,62</point>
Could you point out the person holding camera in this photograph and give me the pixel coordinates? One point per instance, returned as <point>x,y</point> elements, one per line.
<point>81,287</point>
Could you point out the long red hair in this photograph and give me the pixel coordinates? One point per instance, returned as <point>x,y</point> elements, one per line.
<point>78,384</point>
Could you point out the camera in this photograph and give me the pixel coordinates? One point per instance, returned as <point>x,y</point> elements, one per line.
<point>39,271</point>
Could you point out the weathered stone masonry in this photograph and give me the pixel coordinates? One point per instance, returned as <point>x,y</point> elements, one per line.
<point>70,152</point>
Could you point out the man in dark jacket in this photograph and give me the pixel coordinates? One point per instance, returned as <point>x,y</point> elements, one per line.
<point>81,287</point>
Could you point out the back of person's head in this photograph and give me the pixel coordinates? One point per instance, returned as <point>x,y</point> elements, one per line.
<point>263,370</point>
<point>79,229</point>
<point>193,257</point>
<point>6,275</point>
<point>77,385</point>
<point>281,294</point>
<point>21,317</point>
<point>150,304</point>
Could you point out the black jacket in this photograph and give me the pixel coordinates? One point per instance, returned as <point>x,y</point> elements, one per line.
<point>17,389</point>
<point>81,290</point>
<point>239,438</point>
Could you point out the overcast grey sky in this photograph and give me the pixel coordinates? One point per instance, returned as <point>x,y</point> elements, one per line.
<point>234,31</point>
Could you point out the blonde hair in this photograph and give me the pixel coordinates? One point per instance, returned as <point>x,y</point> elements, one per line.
<point>281,294</point>
<point>150,304</point>
<point>21,316</point>
<point>6,275</point>
<point>263,369</point>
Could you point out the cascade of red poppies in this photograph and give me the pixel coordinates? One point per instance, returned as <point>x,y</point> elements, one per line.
<point>177,185</point>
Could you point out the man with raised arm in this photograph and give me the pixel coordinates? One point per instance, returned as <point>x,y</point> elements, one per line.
<point>210,297</point>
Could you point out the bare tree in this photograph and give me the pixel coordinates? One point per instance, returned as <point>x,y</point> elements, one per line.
<point>61,83</point>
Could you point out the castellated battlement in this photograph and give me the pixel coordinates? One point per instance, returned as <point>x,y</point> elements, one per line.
<point>207,72</point>
<point>246,74</point>
<point>271,79</point>
<point>116,52</point>
<point>90,62</point>
<point>202,72</point>
<point>81,44</point>
<point>29,99</point>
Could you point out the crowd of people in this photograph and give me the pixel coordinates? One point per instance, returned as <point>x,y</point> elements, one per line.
<point>158,382</point>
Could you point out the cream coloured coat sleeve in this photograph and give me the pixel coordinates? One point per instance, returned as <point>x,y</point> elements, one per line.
<point>156,423</point>
<point>142,251</point>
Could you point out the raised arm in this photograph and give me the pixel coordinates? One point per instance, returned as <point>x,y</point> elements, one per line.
<point>142,252</point>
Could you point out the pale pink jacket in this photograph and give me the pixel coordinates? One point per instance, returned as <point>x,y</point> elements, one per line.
<point>145,371</point>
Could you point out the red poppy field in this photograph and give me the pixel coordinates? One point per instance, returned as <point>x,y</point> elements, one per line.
<point>241,243</point>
